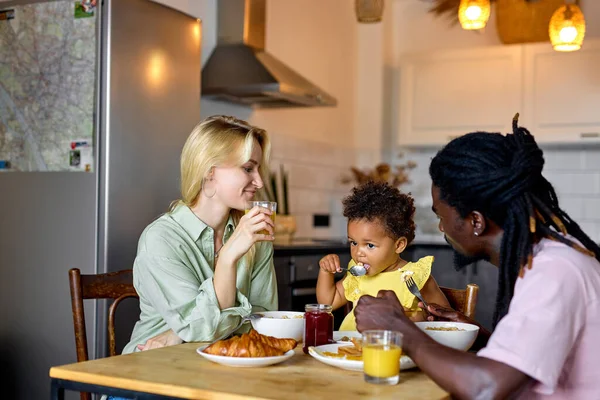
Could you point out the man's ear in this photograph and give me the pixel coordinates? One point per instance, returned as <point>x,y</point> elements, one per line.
<point>478,224</point>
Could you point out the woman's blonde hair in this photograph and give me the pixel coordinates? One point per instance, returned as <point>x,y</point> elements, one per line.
<point>218,140</point>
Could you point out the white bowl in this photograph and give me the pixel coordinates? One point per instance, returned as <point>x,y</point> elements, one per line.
<point>460,340</point>
<point>280,324</point>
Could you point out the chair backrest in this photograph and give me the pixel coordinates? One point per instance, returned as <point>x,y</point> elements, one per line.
<point>463,300</point>
<point>114,285</point>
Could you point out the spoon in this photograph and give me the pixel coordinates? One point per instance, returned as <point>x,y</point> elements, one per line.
<point>356,270</point>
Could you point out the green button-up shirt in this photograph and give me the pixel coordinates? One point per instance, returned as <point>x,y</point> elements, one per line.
<point>173,275</point>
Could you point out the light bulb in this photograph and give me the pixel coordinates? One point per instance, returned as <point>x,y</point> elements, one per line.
<point>473,12</point>
<point>567,28</point>
<point>568,34</point>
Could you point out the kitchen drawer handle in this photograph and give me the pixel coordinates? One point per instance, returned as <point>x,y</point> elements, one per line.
<point>304,292</point>
<point>588,135</point>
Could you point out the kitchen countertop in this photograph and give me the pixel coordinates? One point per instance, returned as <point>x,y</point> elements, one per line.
<point>308,246</point>
<point>429,239</point>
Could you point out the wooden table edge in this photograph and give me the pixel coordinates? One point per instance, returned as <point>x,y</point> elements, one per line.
<point>66,373</point>
<point>162,389</point>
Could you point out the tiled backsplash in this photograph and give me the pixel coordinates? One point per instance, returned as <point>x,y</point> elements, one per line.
<point>575,174</point>
<point>315,182</point>
<point>316,171</point>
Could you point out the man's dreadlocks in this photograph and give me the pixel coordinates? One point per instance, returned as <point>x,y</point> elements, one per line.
<point>501,177</point>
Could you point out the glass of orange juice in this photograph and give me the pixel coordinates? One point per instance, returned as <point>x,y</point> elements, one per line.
<point>381,356</point>
<point>269,205</point>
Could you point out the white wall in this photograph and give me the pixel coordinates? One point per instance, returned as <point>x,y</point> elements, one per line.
<point>575,173</point>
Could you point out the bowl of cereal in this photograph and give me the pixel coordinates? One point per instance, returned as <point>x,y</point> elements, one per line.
<point>280,324</point>
<point>457,335</point>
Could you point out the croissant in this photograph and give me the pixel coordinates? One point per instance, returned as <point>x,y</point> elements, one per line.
<point>284,345</point>
<point>251,344</point>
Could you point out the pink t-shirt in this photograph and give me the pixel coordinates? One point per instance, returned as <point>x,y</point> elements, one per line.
<point>552,329</point>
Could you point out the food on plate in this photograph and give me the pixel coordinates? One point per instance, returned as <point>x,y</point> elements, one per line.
<point>443,328</point>
<point>353,352</point>
<point>406,274</point>
<point>344,339</point>
<point>251,344</point>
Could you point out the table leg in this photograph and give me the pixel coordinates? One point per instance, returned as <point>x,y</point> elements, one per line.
<point>58,387</point>
<point>57,392</point>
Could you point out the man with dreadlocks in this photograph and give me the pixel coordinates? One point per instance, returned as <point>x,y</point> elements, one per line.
<point>494,204</point>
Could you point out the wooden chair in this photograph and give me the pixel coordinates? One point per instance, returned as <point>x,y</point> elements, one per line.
<point>114,285</point>
<point>463,300</point>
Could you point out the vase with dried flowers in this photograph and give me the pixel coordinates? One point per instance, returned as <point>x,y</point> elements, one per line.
<point>383,172</point>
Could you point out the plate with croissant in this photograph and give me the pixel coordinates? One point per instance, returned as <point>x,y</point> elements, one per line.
<point>348,356</point>
<point>249,350</point>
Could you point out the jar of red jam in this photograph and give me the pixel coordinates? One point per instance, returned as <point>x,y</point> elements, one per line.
<point>318,328</point>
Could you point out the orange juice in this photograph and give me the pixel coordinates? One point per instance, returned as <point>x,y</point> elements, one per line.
<point>382,361</point>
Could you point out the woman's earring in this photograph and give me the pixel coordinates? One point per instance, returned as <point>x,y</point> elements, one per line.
<point>476,233</point>
<point>203,191</point>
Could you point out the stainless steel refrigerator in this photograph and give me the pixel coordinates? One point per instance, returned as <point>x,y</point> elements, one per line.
<point>146,100</point>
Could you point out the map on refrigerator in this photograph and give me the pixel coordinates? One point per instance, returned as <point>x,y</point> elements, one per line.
<point>47,86</point>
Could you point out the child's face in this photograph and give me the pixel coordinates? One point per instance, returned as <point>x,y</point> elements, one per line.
<point>370,245</point>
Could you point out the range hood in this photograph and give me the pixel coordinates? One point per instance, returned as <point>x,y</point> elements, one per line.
<point>239,69</point>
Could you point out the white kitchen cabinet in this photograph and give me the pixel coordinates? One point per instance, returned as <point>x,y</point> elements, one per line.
<point>449,93</point>
<point>562,93</point>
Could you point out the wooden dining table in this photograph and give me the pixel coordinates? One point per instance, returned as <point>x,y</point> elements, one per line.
<point>178,372</point>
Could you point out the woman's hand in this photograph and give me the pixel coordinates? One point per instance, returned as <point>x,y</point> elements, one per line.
<point>247,233</point>
<point>330,263</point>
<point>167,338</point>
<point>253,227</point>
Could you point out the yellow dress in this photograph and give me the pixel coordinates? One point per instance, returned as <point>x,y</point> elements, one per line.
<point>356,286</point>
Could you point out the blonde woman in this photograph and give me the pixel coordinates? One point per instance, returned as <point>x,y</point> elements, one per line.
<point>203,265</point>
